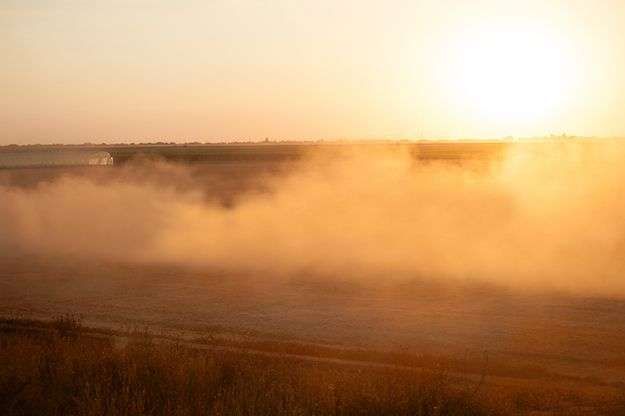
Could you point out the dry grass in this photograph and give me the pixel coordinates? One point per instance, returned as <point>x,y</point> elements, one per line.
<point>64,371</point>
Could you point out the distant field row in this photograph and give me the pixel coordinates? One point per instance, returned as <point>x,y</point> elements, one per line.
<point>216,153</point>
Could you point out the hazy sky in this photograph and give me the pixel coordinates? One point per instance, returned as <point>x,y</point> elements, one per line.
<point>75,71</point>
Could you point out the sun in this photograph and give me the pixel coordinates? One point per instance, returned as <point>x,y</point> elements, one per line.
<point>509,75</point>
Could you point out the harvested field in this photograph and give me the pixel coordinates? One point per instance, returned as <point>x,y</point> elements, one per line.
<point>563,337</point>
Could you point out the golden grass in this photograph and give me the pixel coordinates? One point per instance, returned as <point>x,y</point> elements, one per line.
<point>64,371</point>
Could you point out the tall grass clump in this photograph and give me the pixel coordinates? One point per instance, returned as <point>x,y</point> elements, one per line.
<point>62,370</point>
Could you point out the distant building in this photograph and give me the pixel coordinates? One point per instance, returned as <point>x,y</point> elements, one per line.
<point>54,158</point>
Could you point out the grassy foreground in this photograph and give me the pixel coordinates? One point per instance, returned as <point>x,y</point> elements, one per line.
<point>58,368</point>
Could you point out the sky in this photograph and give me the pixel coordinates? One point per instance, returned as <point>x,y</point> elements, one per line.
<point>148,70</point>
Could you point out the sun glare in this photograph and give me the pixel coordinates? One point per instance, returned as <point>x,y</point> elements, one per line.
<point>509,76</point>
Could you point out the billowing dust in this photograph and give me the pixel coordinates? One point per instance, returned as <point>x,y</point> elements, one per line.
<point>543,217</point>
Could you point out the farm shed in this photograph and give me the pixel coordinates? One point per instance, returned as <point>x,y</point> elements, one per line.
<point>54,158</point>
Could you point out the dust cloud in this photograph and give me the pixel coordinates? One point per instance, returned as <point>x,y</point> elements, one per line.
<point>550,216</point>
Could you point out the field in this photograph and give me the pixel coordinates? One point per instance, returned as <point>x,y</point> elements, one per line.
<point>60,367</point>
<point>253,332</point>
<point>276,152</point>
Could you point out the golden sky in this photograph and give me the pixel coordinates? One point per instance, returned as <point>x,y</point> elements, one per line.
<point>75,71</point>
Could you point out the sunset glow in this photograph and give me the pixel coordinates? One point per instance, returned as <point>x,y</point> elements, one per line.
<point>151,70</point>
<point>511,75</point>
<point>312,207</point>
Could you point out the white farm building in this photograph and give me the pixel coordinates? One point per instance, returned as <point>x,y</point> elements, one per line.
<point>54,158</point>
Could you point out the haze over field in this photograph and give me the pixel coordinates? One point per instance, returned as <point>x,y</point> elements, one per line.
<point>310,207</point>
<point>546,217</point>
